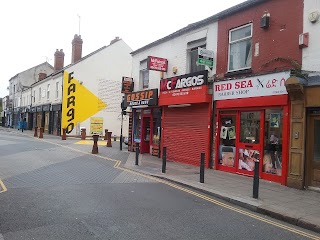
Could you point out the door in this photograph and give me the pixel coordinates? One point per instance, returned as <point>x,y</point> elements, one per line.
<point>145,138</point>
<point>250,140</point>
<point>313,154</point>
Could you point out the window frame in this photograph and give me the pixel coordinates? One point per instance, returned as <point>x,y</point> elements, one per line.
<point>48,91</point>
<point>57,90</point>
<point>144,69</point>
<point>189,51</point>
<point>236,41</point>
<point>40,94</point>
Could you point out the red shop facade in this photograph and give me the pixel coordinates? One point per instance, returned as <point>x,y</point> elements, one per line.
<point>186,117</point>
<point>252,124</point>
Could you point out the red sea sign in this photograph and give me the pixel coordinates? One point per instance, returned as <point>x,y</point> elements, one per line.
<point>157,64</point>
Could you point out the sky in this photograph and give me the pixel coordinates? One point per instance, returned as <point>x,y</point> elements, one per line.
<point>32,30</point>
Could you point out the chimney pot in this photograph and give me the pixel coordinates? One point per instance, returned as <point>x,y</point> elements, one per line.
<point>58,60</point>
<point>76,48</point>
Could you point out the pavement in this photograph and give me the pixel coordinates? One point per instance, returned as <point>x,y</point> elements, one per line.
<point>297,207</point>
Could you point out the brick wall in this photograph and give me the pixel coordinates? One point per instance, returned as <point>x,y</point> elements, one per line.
<point>279,40</point>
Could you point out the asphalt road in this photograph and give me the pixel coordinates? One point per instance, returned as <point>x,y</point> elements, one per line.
<point>54,192</point>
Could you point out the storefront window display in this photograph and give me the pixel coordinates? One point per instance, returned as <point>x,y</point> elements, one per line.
<point>227,140</point>
<point>272,159</point>
<point>156,126</point>
<point>137,128</point>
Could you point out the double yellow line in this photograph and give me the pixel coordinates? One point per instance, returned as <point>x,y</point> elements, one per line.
<point>199,195</point>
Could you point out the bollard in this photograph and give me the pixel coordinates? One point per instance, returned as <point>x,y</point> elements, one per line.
<point>105,134</point>
<point>35,132</point>
<point>114,138</point>
<point>202,168</point>
<point>83,134</point>
<point>41,132</point>
<point>164,159</point>
<point>137,154</point>
<point>95,144</point>
<point>64,134</point>
<point>256,180</point>
<point>109,144</point>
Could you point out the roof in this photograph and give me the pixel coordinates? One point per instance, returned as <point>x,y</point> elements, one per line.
<point>31,68</point>
<point>237,8</point>
<point>60,71</point>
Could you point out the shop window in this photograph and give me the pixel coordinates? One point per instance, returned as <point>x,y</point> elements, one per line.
<point>272,159</point>
<point>144,74</point>
<point>250,127</point>
<point>193,55</point>
<point>240,48</point>
<point>227,141</point>
<point>137,123</point>
<point>156,126</point>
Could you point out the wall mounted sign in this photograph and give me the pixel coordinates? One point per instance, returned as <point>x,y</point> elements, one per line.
<point>33,109</point>
<point>127,85</point>
<point>39,108</point>
<point>46,108</point>
<point>183,89</point>
<point>142,98</point>
<point>96,126</point>
<point>205,57</point>
<point>157,64</point>
<point>264,85</point>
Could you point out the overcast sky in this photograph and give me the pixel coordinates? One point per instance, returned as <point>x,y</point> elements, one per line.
<point>32,30</point>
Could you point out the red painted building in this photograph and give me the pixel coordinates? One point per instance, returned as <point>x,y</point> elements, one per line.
<point>258,49</point>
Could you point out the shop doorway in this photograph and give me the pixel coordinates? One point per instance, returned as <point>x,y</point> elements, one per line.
<point>145,136</point>
<point>313,152</point>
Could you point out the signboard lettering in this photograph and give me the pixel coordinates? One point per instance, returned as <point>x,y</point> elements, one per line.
<point>96,126</point>
<point>147,97</point>
<point>127,85</point>
<point>157,64</point>
<point>264,85</point>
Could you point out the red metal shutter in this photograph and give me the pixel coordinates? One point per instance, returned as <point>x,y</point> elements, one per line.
<point>185,133</point>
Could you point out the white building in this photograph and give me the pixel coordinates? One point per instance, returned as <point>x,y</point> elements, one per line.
<point>20,82</point>
<point>183,113</point>
<point>97,76</point>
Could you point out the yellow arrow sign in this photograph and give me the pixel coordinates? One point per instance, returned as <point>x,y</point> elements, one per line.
<point>78,102</point>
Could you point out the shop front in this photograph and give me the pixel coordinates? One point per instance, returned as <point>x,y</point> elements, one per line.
<point>46,116</point>
<point>186,117</point>
<point>56,119</point>
<point>304,148</point>
<point>39,117</point>
<point>32,118</point>
<point>146,121</point>
<point>252,124</point>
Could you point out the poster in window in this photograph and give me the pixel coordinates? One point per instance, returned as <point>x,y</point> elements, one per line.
<point>247,158</point>
<point>224,132</point>
<point>275,120</point>
<point>232,132</point>
<point>226,156</point>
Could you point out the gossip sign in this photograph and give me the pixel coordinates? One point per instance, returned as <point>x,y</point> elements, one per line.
<point>264,85</point>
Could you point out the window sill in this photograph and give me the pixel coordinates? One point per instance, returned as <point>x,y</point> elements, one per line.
<point>240,72</point>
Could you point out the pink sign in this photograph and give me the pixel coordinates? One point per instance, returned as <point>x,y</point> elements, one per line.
<point>157,64</point>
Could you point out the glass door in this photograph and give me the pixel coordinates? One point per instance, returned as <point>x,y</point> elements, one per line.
<point>146,131</point>
<point>250,140</point>
<point>314,152</point>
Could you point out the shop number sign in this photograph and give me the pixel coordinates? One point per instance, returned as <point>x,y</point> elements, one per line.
<point>264,85</point>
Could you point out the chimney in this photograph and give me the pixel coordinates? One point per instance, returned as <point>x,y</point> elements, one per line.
<point>42,76</point>
<point>114,40</point>
<point>76,48</point>
<point>58,60</point>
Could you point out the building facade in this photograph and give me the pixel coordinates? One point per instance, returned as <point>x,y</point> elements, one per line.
<point>176,114</point>
<point>304,89</point>
<point>257,52</point>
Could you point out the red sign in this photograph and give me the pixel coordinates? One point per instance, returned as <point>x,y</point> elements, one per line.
<point>157,64</point>
<point>189,88</point>
<point>127,85</point>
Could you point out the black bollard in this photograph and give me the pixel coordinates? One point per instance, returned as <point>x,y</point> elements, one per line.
<point>164,159</point>
<point>202,168</point>
<point>137,154</point>
<point>256,180</point>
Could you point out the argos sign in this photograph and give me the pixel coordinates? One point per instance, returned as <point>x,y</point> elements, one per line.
<point>189,88</point>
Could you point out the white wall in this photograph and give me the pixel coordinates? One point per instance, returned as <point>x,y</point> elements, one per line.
<point>102,74</point>
<point>311,54</point>
<point>175,50</point>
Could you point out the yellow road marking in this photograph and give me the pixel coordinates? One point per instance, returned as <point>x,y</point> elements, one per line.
<point>199,195</point>
<point>4,189</point>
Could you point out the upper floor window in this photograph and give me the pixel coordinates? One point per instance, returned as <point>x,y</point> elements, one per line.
<point>39,94</point>
<point>240,48</point>
<point>34,96</point>
<point>57,89</point>
<point>48,91</point>
<point>144,74</point>
<point>193,55</point>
